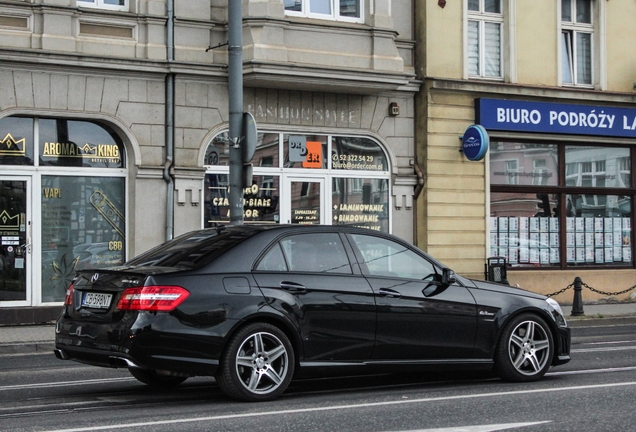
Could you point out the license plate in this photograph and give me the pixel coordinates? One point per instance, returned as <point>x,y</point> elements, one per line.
<point>96,300</point>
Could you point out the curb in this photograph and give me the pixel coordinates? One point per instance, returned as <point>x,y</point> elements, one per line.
<point>18,348</point>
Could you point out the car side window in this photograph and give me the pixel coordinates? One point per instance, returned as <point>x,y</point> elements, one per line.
<point>320,252</point>
<point>273,260</point>
<point>387,258</point>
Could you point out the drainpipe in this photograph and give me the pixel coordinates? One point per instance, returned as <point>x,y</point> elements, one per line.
<point>168,174</point>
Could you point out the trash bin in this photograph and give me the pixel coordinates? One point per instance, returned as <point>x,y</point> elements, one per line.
<point>496,270</point>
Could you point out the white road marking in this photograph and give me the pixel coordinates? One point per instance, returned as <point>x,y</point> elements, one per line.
<point>344,407</point>
<point>593,371</point>
<point>607,342</point>
<point>64,383</point>
<point>584,350</point>
<point>482,428</point>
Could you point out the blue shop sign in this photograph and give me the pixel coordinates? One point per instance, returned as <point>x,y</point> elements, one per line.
<point>524,116</point>
<point>475,142</point>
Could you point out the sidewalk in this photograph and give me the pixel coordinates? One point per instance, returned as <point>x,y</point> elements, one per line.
<point>41,338</point>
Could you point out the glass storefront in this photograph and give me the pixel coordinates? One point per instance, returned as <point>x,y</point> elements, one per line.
<point>74,172</point>
<point>83,227</point>
<point>561,205</point>
<point>295,181</point>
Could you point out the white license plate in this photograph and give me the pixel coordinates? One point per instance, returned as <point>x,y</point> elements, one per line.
<point>96,300</point>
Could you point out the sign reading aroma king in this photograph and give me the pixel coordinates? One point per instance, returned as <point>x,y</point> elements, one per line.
<point>92,152</point>
<point>526,116</point>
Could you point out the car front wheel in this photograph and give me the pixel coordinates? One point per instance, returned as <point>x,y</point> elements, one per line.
<point>525,349</point>
<point>258,363</point>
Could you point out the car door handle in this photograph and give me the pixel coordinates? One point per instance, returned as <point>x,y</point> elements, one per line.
<point>385,292</point>
<point>293,287</point>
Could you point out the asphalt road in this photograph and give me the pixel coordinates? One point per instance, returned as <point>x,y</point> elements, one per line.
<point>594,392</point>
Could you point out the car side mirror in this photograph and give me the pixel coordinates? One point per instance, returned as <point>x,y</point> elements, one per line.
<point>448,276</point>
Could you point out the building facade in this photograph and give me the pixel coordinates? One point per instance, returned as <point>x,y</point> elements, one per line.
<point>552,84</point>
<point>114,114</point>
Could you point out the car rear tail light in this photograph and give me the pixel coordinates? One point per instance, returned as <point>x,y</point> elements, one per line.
<point>152,298</point>
<point>68,300</point>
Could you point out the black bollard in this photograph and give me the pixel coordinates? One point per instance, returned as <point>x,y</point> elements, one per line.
<point>577,304</point>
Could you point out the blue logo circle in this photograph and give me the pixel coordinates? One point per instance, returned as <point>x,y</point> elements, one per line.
<point>475,142</point>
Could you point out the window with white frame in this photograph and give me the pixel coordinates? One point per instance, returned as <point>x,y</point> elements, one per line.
<point>485,39</point>
<point>341,10</point>
<point>539,172</point>
<point>512,172</point>
<point>105,4</point>
<point>577,31</point>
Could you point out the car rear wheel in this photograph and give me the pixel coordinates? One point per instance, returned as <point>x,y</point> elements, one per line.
<point>525,349</point>
<point>154,379</point>
<point>258,363</point>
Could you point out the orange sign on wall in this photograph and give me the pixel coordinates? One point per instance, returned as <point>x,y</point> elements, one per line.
<point>314,155</point>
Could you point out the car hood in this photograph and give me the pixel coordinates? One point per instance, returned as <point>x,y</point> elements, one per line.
<point>506,289</point>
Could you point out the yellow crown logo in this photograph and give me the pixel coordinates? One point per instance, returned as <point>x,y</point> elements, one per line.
<point>87,149</point>
<point>9,222</point>
<point>10,147</point>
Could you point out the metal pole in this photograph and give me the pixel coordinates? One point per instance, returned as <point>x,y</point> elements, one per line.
<point>235,93</point>
<point>577,304</point>
<point>169,162</point>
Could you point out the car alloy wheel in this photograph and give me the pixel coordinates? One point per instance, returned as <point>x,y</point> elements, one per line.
<point>525,350</point>
<point>258,363</point>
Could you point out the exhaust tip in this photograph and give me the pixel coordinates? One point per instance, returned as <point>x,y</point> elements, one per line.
<point>60,354</point>
<point>120,362</point>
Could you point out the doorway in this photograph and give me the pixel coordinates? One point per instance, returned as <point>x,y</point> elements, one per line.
<point>15,239</point>
<point>305,203</point>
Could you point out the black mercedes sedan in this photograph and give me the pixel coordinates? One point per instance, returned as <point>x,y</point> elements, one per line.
<point>256,305</point>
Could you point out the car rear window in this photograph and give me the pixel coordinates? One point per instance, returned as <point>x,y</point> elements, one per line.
<point>192,250</point>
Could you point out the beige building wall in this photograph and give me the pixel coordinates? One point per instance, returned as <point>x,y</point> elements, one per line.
<point>453,210</point>
<point>621,51</point>
<point>536,37</point>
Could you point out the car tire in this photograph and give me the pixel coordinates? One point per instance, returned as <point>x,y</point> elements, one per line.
<point>153,379</point>
<point>257,364</point>
<point>525,349</point>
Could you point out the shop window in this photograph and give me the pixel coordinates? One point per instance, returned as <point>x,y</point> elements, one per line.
<point>597,166</point>
<point>265,154</point>
<point>361,202</point>
<point>314,155</point>
<point>352,183</point>
<point>74,143</point>
<point>105,4</point>
<point>261,199</point>
<point>83,226</point>
<point>341,10</point>
<point>356,154</point>
<point>581,219</point>
<point>485,39</point>
<point>523,164</point>
<point>16,141</point>
<point>577,32</point>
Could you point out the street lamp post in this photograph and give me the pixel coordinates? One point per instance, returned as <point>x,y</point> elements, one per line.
<point>235,93</point>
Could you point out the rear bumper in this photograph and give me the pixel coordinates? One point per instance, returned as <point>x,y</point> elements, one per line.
<point>165,346</point>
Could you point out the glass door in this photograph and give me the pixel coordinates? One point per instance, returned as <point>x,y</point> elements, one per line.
<point>15,247</point>
<point>305,203</point>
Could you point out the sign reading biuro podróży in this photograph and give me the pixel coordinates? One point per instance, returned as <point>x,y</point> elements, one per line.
<point>543,117</point>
